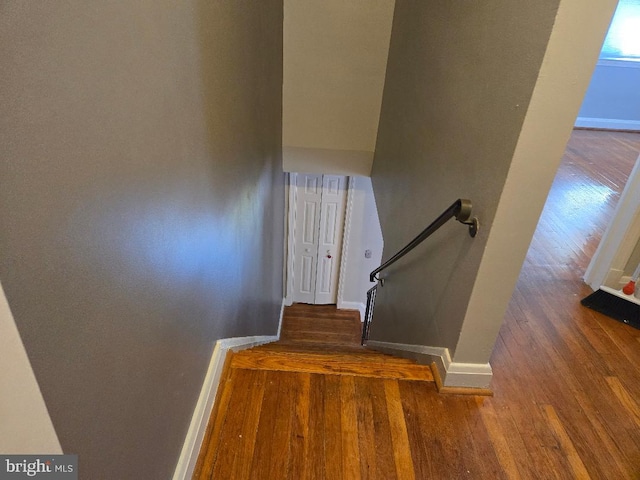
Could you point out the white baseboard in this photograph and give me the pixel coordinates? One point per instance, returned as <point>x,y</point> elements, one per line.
<point>453,374</point>
<point>197,427</point>
<point>468,375</point>
<point>353,306</point>
<point>607,123</point>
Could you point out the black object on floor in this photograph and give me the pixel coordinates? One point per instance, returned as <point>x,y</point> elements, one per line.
<point>615,304</point>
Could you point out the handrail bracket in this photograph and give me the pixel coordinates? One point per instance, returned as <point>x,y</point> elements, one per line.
<point>462,214</point>
<point>474,226</point>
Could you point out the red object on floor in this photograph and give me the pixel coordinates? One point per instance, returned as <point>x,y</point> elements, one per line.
<point>629,288</point>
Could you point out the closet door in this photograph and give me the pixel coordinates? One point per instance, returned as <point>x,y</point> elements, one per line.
<point>318,230</point>
<point>332,209</point>
<point>307,223</point>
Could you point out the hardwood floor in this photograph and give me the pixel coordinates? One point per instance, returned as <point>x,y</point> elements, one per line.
<point>313,405</point>
<point>566,381</point>
<point>557,365</point>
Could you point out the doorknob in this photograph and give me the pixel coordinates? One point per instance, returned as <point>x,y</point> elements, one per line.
<point>328,253</point>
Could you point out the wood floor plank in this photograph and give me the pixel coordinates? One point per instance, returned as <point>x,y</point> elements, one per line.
<point>333,454</point>
<point>366,429</point>
<point>249,432</point>
<point>577,466</point>
<point>526,458</point>
<point>529,421</point>
<point>349,427</point>
<point>626,400</point>
<point>498,439</point>
<point>272,448</point>
<point>481,461</point>
<point>400,439</point>
<point>314,466</point>
<point>231,446</point>
<point>426,449</point>
<point>385,460</point>
<point>300,427</point>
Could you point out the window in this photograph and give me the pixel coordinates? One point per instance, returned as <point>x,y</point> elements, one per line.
<point>623,40</point>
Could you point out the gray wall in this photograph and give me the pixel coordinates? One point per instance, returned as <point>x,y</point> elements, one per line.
<point>364,234</point>
<point>613,94</point>
<point>141,209</point>
<point>459,79</point>
<point>634,260</point>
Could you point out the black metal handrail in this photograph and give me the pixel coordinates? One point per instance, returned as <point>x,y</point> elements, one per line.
<point>368,314</point>
<point>460,209</point>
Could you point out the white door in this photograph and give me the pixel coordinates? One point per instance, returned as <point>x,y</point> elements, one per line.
<point>307,221</point>
<point>319,220</point>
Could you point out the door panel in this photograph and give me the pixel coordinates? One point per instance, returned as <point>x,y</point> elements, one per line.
<point>319,217</point>
<point>307,218</point>
<point>307,279</point>
<point>324,287</point>
<point>332,209</point>
<point>310,227</point>
<point>312,184</point>
<point>329,230</point>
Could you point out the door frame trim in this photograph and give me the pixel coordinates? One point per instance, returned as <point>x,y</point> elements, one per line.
<point>346,235</point>
<point>291,225</point>
<point>619,239</point>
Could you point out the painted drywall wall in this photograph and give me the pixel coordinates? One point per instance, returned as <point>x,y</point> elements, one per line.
<point>141,209</point>
<point>472,119</point>
<point>326,161</point>
<point>26,427</point>
<point>459,79</point>
<point>571,53</point>
<point>335,54</point>
<point>613,97</point>
<point>634,260</point>
<point>363,233</point>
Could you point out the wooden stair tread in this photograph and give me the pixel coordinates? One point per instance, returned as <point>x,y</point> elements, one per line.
<point>343,354</point>
<point>378,366</point>
<point>321,339</point>
<point>314,347</point>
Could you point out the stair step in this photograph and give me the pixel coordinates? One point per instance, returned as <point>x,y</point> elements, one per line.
<point>365,365</point>
<point>314,347</point>
<point>344,353</point>
<point>350,338</point>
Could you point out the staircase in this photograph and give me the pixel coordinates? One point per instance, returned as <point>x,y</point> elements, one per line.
<point>321,339</point>
<point>315,404</point>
